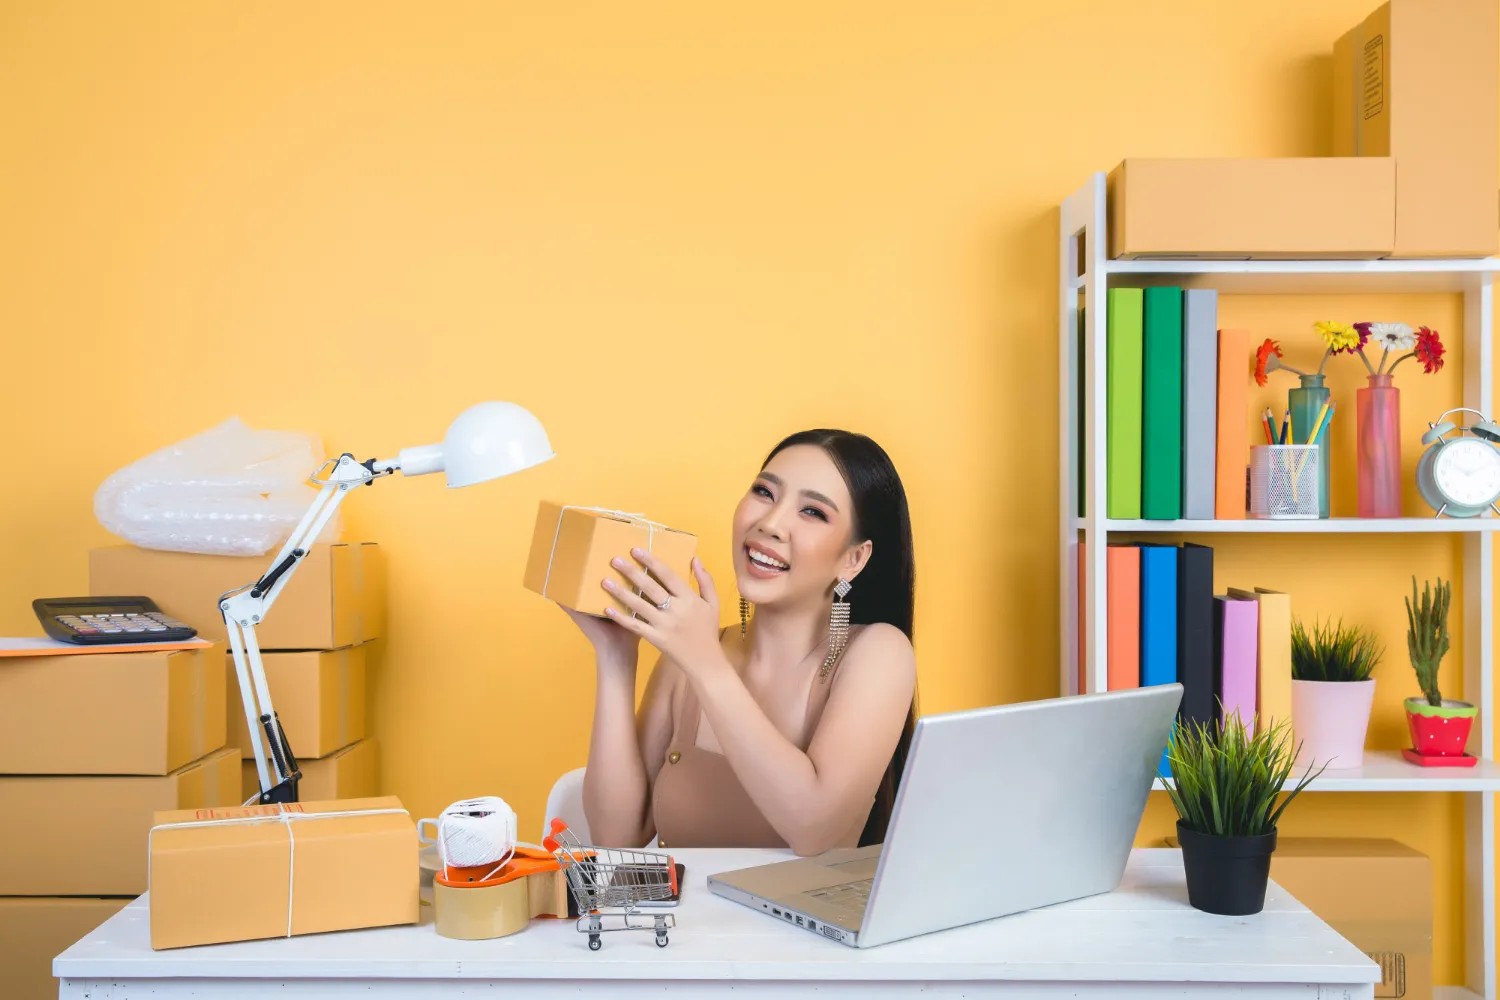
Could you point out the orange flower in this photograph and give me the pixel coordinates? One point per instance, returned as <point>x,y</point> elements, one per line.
<point>1263,362</point>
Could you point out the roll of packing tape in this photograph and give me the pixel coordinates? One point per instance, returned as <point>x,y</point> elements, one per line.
<point>478,914</point>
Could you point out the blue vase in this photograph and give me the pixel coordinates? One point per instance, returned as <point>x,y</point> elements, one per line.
<point>1305,402</point>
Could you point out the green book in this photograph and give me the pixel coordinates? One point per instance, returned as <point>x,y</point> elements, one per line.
<point>1122,321</point>
<point>1161,406</point>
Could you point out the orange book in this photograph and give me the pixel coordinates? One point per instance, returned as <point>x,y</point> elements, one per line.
<point>1124,597</point>
<point>1083,610</point>
<point>1232,450</point>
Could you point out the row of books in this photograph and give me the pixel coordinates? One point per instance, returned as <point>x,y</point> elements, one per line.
<point>1177,434</point>
<point>1231,651</point>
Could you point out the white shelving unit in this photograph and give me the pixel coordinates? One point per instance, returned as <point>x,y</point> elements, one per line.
<point>1085,275</point>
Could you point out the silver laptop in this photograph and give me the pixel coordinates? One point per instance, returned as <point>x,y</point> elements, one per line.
<point>1000,810</point>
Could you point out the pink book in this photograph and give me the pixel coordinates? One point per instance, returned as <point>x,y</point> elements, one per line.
<point>1236,631</point>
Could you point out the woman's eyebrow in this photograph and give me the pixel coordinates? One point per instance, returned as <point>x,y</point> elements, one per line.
<point>815,495</point>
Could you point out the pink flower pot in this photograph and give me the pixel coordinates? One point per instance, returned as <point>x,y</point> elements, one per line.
<point>1329,720</point>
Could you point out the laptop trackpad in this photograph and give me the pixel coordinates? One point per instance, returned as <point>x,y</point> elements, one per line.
<point>858,868</point>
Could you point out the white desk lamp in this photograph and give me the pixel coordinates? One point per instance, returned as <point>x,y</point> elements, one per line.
<point>486,442</point>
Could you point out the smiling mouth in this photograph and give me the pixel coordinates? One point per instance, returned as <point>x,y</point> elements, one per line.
<point>764,562</point>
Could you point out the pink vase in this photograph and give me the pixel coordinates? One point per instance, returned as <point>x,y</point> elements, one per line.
<point>1329,720</point>
<point>1378,412</point>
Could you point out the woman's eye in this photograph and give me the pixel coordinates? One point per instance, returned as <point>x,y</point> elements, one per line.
<point>815,512</point>
<point>760,490</point>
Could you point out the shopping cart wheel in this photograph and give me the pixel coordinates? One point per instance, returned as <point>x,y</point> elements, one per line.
<point>594,942</point>
<point>661,940</point>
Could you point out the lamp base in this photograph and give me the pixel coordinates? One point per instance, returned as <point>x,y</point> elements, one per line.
<point>284,792</point>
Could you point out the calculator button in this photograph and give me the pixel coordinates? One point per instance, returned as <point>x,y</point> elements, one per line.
<point>107,631</point>
<point>156,628</point>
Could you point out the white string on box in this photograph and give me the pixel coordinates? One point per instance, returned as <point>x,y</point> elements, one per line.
<point>474,832</point>
<point>284,818</point>
<point>651,527</point>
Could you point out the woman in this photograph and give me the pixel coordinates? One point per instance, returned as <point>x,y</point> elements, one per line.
<point>792,729</point>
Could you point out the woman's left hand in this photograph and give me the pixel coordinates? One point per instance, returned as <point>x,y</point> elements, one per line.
<point>683,624</point>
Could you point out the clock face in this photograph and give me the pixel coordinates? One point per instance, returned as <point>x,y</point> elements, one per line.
<point>1467,472</point>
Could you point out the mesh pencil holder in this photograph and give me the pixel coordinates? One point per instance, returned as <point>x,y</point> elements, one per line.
<point>1284,481</point>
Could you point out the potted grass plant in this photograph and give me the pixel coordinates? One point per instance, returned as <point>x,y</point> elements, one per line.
<point>1332,692</point>
<point>1225,786</point>
<point>1439,726</point>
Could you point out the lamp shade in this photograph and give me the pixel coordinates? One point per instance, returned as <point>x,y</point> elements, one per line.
<point>487,441</point>
<point>490,440</point>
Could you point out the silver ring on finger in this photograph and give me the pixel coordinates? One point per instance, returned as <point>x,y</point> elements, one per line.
<point>664,605</point>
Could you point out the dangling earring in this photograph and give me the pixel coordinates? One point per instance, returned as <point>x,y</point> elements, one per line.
<point>744,617</point>
<point>838,627</point>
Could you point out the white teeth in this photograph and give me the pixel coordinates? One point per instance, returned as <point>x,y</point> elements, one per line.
<point>766,560</point>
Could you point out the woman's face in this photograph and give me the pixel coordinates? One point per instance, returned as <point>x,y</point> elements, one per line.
<point>793,530</point>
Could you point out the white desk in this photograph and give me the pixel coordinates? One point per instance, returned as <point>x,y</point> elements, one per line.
<point>1140,942</point>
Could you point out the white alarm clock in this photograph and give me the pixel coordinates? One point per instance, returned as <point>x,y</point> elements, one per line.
<point>1460,475</point>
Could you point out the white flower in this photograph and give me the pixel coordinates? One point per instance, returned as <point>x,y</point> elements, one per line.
<point>1392,336</point>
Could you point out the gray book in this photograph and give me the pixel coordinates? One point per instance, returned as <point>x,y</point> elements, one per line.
<point>1200,397</point>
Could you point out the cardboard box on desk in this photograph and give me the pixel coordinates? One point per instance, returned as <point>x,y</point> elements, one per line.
<point>319,696</point>
<point>336,598</point>
<point>1419,80</point>
<point>1375,892</point>
<point>351,772</point>
<point>571,548</point>
<point>86,835</point>
<point>255,872</point>
<point>1241,209</point>
<point>110,713</point>
<point>35,930</point>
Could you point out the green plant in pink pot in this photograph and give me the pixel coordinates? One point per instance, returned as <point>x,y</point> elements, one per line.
<point>1439,726</point>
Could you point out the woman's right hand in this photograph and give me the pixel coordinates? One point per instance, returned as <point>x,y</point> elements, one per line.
<point>611,642</point>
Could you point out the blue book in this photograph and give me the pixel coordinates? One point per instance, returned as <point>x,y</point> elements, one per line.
<point>1159,620</point>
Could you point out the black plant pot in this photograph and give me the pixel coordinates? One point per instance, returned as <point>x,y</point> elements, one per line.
<point>1226,875</point>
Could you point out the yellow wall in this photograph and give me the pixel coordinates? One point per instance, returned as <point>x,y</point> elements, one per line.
<point>674,231</point>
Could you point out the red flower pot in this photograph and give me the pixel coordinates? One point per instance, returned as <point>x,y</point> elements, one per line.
<point>1439,730</point>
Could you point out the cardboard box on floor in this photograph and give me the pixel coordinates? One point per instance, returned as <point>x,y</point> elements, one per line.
<point>1234,209</point>
<point>110,713</point>
<point>234,879</point>
<point>1419,81</point>
<point>571,548</point>
<point>1376,893</point>
<point>319,696</point>
<point>36,929</point>
<point>86,836</point>
<point>351,772</point>
<point>336,597</point>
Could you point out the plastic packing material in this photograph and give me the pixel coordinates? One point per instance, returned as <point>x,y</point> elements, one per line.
<point>229,490</point>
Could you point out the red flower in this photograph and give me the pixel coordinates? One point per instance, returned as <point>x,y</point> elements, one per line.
<point>1428,350</point>
<point>1262,358</point>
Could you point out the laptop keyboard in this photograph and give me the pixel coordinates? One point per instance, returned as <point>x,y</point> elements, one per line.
<point>848,900</point>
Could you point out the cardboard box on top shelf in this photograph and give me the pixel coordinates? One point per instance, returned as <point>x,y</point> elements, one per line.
<point>351,772</point>
<point>230,876</point>
<point>36,929</point>
<point>319,696</point>
<point>335,598</point>
<point>1377,893</point>
<point>86,836</point>
<point>1419,81</point>
<point>571,548</point>
<point>1244,209</point>
<point>110,713</point>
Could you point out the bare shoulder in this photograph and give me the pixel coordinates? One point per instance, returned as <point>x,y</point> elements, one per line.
<point>882,647</point>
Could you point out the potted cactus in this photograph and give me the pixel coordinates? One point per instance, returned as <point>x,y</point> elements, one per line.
<point>1225,786</point>
<point>1439,726</point>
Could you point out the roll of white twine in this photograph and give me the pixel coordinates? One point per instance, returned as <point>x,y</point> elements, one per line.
<point>474,832</point>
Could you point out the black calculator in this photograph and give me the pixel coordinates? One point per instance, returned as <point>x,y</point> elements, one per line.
<point>97,621</point>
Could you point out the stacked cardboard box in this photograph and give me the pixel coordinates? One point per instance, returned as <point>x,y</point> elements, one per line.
<point>316,645</point>
<point>91,746</point>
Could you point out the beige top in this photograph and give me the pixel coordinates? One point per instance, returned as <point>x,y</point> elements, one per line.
<point>698,801</point>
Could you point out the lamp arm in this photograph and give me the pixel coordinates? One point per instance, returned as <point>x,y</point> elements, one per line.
<point>245,608</point>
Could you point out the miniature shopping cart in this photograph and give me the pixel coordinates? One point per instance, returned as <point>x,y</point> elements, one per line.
<point>604,878</point>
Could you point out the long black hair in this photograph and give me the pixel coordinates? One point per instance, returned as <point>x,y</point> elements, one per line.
<point>886,589</point>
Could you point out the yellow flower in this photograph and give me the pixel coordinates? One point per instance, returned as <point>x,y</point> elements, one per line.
<point>1338,336</point>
